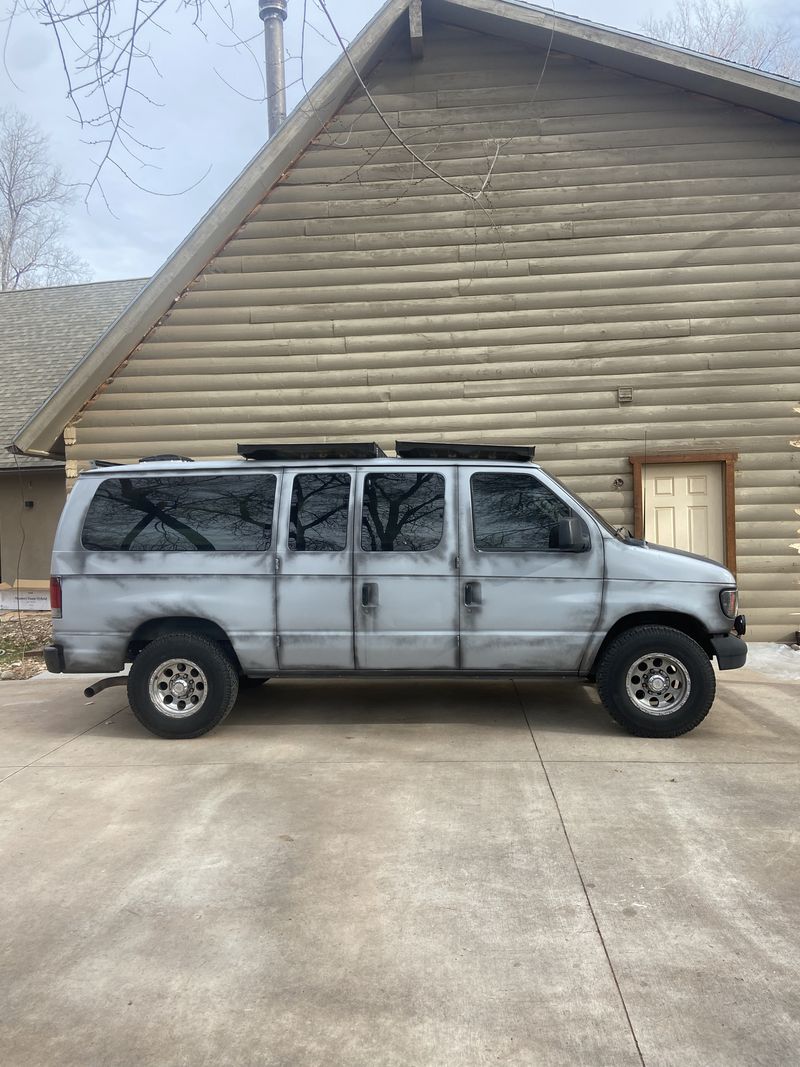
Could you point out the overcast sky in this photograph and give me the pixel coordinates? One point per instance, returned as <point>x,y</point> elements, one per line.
<point>203,122</point>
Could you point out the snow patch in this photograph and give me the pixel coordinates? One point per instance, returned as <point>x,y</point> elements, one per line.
<point>778,661</point>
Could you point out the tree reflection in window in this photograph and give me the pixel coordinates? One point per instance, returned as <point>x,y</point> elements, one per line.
<point>220,513</point>
<point>402,512</point>
<point>514,513</point>
<point>318,517</point>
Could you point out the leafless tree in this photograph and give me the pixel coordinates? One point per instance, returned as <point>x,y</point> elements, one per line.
<point>109,52</point>
<point>33,196</point>
<point>726,29</point>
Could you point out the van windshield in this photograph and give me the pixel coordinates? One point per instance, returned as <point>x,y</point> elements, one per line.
<point>619,534</point>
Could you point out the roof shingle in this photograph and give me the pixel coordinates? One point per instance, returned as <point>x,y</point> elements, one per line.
<point>43,334</point>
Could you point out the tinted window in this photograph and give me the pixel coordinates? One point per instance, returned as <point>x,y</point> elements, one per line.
<point>220,513</point>
<point>318,519</point>
<point>514,513</point>
<point>402,512</point>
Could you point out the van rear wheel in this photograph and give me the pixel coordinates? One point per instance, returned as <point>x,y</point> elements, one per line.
<point>182,686</point>
<point>656,681</point>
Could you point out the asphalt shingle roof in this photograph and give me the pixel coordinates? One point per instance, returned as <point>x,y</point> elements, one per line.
<point>43,334</point>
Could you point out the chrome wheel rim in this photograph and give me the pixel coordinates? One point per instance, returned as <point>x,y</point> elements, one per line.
<point>658,684</point>
<point>178,688</point>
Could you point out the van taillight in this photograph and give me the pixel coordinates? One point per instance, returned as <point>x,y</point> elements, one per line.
<point>55,597</point>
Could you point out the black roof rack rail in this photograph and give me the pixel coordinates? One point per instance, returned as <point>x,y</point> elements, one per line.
<point>355,450</point>
<point>448,450</point>
<point>166,457</point>
<point>107,462</point>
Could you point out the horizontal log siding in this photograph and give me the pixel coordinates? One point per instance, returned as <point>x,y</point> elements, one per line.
<point>631,234</point>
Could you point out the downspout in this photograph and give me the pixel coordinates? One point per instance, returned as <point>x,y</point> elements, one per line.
<point>273,13</point>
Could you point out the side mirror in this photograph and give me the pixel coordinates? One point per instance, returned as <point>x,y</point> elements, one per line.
<point>569,535</point>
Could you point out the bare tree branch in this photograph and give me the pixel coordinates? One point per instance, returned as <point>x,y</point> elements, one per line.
<point>725,29</point>
<point>103,47</point>
<point>32,198</point>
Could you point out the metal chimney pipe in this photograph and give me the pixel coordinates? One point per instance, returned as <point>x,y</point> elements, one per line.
<point>273,13</point>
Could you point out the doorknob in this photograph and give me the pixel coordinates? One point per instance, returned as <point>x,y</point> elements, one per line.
<point>472,594</point>
<point>369,595</point>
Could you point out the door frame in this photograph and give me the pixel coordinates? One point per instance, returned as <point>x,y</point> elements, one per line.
<point>728,459</point>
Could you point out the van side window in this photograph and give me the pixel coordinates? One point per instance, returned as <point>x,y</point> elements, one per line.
<point>402,512</point>
<point>513,512</point>
<point>220,513</point>
<point>319,512</point>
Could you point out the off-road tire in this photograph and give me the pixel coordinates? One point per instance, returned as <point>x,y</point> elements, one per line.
<point>622,654</point>
<point>221,685</point>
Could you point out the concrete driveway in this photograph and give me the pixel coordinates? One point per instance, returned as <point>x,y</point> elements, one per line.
<point>404,872</point>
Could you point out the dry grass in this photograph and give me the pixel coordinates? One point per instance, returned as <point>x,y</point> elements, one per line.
<point>23,635</point>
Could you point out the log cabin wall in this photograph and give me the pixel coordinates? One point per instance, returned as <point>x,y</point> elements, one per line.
<point>630,236</point>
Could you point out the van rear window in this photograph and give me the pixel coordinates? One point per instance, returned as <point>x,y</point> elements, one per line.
<point>219,513</point>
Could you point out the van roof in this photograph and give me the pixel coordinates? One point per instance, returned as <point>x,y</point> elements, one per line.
<point>184,466</point>
<point>301,453</point>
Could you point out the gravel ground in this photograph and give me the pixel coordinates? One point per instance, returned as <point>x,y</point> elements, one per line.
<point>23,635</point>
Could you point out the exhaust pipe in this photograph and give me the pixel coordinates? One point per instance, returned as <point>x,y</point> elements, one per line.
<point>105,683</point>
<point>273,14</point>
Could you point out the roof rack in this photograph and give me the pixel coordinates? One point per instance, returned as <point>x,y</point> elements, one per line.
<point>356,450</point>
<point>166,457</point>
<point>448,450</point>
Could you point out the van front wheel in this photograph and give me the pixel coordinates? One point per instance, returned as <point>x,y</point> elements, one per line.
<point>656,681</point>
<point>182,686</point>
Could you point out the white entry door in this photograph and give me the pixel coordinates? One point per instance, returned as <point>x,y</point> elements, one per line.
<point>684,507</point>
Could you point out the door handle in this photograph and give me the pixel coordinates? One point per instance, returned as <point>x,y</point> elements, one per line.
<point>472,594</point>
<point>369,595</point>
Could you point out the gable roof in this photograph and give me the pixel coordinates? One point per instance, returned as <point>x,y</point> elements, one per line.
<point>43,334</point>
<point>537,26</point>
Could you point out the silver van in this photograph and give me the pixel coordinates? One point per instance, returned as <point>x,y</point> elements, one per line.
<point>338,560</point>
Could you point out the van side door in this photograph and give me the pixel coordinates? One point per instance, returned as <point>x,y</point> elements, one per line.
<point>405,586</point>
<point>314,582</point>
<point>524,605</point>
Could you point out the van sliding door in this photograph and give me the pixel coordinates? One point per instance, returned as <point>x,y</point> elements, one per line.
<point>314,580</point>
<point>404,566</point>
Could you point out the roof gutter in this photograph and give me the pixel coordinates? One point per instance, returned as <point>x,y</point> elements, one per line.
<point>15,451</point>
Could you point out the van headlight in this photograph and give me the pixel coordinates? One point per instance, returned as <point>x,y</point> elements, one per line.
<point>729,602</point>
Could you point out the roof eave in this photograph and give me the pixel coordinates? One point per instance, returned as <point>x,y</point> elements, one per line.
<point>39,434</point>
<point>626,51</point>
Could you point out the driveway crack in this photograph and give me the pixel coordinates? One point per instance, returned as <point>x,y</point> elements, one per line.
<point>580,877</point>
<point>44,755</point>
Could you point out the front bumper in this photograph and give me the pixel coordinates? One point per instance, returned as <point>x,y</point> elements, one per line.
<point>54,659</point>
<point>731,651</point>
